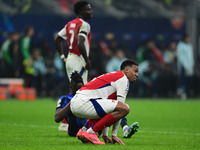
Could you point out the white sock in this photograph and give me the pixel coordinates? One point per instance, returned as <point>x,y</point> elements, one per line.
<point>90,130</point>
<point>84,128</point>
<point>125,127</point>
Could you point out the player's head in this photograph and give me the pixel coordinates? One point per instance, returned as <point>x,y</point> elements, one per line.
<point>83,10</point>
<point>29,31</point>
<point>76,82</point>
<point>130,69</point>
<point>186,38</point>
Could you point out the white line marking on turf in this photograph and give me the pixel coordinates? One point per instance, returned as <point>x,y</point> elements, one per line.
<point>167,132</point>
<point>27,125</point>
<point>47,126</point>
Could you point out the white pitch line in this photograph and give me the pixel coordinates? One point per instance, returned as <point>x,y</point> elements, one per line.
<point>27,125</point>
<point>47,126</point>
<point>167,132</point>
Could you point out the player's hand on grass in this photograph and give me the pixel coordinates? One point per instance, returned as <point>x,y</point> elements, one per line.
<point>107,139</point>
<point>116,139</point>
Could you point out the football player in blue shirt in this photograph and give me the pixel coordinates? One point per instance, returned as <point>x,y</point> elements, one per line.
<point>63,111</point>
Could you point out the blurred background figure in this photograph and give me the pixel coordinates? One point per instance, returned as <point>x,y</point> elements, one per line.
<point>12,56</point>
<point>26,42</point>
<point>185,64</point>
<point>115,62</point>
<point>169,75</point>
<point>151,64</point>
<point>147,85</point>
<point>26,50</point>
<point>39,74</point>
<point>169,54</point>
<point>150,52</point>
<point>115,26</point>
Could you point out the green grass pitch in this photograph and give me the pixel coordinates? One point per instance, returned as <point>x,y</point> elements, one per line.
<point>164,125</point>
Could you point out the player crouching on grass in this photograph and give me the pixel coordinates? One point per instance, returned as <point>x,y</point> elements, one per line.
<point>76,123</point>
<point>91,101</point>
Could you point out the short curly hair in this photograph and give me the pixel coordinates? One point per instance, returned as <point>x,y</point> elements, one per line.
<point>128,62</point>
<point>79,5</point>
<point>75,78</point>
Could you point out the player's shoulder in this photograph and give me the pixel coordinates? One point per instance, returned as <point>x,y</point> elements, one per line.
<point>61,101</point>
<point>117,74</point>
<point>78,20</point>
<point>113,76</point>
<point>76,23</point>
<point>63,97</point>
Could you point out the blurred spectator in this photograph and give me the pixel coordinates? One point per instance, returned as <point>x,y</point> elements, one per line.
<point>147,79</point>
<point>185,64</point>
<point>26,49</point>
<point>98,57</point>
<point>168,76</point>
<point>4,47</point>
<point>39,79</point>
<point>48,54</point>
<point>116,61</point>
<point>60,85</point>
<point>170,53</point>
<point>150,52</point>
<point>28,72</point>
<point>152,66</point>
<point>26,43</point>
<point>12,56</point>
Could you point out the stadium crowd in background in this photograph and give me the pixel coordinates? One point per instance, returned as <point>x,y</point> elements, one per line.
<point>38,63</point>
<point>156,70</point>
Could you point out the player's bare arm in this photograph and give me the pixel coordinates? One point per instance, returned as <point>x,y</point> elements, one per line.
<point>61,113</point>
<point>58,44</point>
<point>82,49</point>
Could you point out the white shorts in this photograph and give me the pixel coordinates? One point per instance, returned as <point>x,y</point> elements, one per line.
<point>91,108</point>
<point>75,62</point>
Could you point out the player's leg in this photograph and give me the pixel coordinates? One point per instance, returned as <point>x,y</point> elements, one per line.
<point>108,117</point>
<point>75,124</point>
<point>75,62</point>
<point>63,125</point>
<point>83,72</point>
<point>93,108</point>
<point>89,123</point>
<point>128,131</point>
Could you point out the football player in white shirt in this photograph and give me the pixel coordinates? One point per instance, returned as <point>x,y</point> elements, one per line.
<point>91,101</point>
<point>78,34</point>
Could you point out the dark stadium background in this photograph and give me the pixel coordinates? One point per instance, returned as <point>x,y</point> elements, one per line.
<point>129,23</point>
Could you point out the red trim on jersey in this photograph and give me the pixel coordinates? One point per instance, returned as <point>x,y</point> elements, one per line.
<point>113,96</point>
<point>103,80</point>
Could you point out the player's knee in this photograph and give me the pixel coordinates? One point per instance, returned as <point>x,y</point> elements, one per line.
<point>126,109</point>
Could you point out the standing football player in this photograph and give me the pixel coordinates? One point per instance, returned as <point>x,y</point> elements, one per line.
<point>91,101</point>
<point>77,33</point>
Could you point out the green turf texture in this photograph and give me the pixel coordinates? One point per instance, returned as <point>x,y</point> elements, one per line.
<point>164,125</point>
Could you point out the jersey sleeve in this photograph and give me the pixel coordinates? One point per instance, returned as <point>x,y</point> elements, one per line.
<point>62,102</point>
<point>84,29</point>
<point>122,87</point>
<point>62,33</point>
